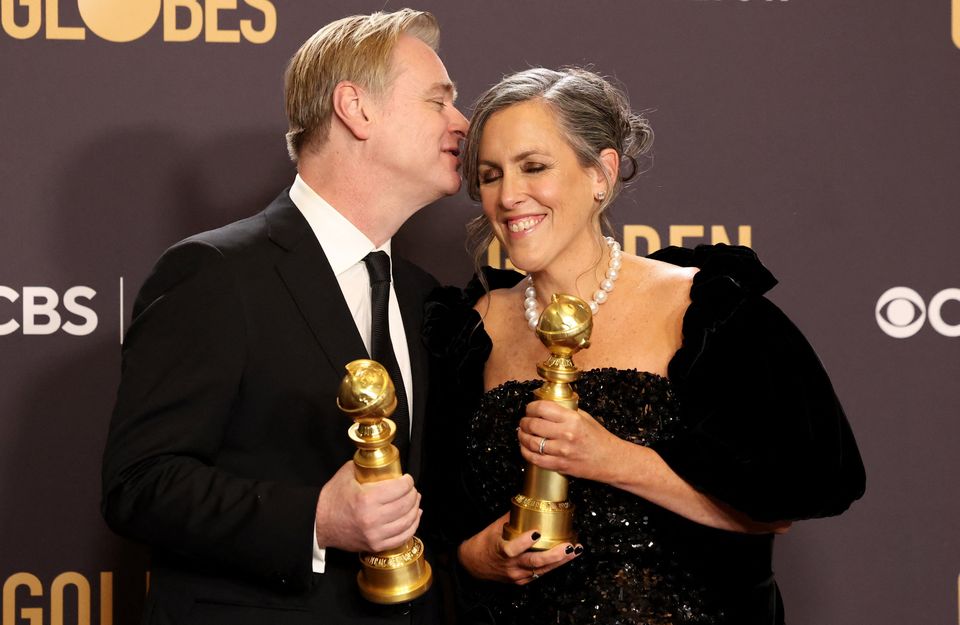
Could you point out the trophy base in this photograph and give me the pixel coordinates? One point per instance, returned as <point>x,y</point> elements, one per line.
<point>553,519</point>
<point>396,576</point>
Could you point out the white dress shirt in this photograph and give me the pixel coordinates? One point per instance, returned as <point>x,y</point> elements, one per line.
<point>345,248</point>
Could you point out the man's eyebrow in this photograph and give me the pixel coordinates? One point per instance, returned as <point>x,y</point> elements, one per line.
<point>445,88</point>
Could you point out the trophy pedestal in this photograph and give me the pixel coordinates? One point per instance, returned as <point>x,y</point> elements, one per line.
<point>395,576</point>
<point>553,519</point>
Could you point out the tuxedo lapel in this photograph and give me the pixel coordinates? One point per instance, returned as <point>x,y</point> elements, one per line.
<point>410,300</point>
<point>310,280</point>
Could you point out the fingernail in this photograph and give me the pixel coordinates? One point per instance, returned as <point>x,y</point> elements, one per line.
<point>569,549</point>
<point>535,536</point>
<point>578,550</point>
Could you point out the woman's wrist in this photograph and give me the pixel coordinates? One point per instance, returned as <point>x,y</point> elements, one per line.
<point>629,467</point>
<point>465,555</point>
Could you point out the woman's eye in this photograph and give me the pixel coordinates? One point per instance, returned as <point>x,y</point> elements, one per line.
<point>488,177</point>
<point>533,168</point>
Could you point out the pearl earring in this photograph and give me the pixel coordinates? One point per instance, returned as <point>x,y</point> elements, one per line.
<point>599,195</point>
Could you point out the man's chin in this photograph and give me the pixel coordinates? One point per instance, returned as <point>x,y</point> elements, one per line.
<point>454,187</point>
<point>449,187</point>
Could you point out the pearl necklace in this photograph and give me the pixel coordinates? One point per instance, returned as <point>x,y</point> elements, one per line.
<point>531,306</point>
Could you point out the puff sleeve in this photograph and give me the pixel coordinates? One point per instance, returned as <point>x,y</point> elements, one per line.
<point>765,431</point>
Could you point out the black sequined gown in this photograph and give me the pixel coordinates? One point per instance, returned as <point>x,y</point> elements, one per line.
<point>747,415</point>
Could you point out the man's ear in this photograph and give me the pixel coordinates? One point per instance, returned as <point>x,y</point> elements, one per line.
<point>350,104</point>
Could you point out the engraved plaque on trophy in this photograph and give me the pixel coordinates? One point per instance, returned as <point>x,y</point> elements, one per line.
<point>564,327</point>
<point>367,396</point>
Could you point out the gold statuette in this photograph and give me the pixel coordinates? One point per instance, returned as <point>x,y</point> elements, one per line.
<point>564,328</point>
<point>367,396</point>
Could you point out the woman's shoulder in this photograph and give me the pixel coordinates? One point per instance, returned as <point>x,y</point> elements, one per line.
<point>491,284</point>
<point>663,277</point>
<point>720,266</point>
<point>502,311</point>
<point>726,300</point>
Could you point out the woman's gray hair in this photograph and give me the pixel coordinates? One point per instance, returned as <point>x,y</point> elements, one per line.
<point>592,114</point>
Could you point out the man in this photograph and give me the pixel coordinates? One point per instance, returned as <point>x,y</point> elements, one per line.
<point>227,453</point>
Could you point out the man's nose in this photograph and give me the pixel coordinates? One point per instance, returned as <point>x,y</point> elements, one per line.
<point>459,123</point>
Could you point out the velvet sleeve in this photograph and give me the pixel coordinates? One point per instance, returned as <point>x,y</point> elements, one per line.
<point>765,431</point>
<point>454,336</point>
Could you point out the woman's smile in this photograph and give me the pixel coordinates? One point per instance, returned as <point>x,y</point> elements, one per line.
<point>524,224</point>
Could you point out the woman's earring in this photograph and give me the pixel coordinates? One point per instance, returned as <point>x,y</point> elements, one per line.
<point>599,195</point>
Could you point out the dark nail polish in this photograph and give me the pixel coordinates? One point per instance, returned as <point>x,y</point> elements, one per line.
<point>536,536</point>
<point>569,549</point>
<point>578,550</point>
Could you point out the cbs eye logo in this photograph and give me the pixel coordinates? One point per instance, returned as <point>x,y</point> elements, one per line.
<point>901,312</point>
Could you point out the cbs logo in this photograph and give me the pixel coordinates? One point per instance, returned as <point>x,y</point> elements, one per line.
<point>901,312</point>
<point>40,315</point>
<point>126,20</point>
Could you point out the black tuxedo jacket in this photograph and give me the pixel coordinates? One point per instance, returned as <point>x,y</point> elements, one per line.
<point>226,425</point>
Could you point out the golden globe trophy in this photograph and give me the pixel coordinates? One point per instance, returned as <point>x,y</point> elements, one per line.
<point>564,328</point>
<point>367,396</point>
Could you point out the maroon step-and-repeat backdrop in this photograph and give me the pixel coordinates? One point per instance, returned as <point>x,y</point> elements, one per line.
<point>825,134</point>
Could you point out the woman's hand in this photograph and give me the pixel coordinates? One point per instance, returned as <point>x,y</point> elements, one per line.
<point>488,556</point>
<point>569,441</point>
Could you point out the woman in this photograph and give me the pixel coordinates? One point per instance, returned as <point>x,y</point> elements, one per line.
<point>706,424</point>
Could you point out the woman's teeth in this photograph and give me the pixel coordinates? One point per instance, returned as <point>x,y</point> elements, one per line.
<point>522,225</point>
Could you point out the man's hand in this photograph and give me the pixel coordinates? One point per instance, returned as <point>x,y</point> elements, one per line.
<point>366,517</point>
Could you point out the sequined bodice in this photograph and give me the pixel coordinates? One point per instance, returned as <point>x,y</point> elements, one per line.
<point>637,566</point>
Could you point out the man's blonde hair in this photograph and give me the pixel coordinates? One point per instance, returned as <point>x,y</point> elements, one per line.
<point>356,48</point>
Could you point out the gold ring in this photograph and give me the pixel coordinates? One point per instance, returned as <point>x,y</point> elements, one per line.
<point>543,441</point>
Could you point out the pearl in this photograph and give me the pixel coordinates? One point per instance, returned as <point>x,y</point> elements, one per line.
<point>531,307</point>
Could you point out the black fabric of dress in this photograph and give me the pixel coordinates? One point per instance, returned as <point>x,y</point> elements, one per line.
<point>746,415</point>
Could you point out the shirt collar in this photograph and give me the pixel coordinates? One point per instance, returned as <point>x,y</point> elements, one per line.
<point>343,244</point>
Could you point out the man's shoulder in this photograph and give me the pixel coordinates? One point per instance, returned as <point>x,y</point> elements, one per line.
<point>231,238</point>
<point>414,273</point>
<point>247,234</point>
<point>236,248</point>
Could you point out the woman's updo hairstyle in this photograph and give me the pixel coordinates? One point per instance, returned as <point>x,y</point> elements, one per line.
<point>592,114</point>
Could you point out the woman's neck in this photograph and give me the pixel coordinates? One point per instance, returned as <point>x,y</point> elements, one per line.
<point>576,272</point>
